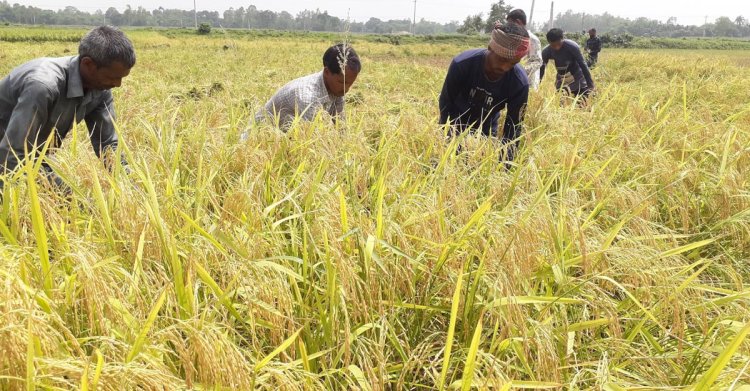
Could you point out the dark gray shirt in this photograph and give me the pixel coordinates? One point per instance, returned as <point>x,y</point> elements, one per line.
<point>44,96</point>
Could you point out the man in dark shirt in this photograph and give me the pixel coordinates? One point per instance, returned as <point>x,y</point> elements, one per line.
<point>573,74</point>
<point>593,47</point>
<point>481,82</point>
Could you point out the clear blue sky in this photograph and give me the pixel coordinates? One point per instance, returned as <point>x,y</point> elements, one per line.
<point>686,11</point>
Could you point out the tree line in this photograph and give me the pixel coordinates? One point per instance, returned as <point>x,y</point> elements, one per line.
<point>644,27</point>
<point>316,20</point>
<point>606,23</point>
<point>243,17</point>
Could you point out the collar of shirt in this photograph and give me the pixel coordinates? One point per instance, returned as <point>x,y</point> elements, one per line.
<point>74,81</point>
<point>324,94</point>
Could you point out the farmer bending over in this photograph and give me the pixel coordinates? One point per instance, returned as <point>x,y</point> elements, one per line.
<point>482,82</point>
<point>322,91</point>
<point>573,76</point>
<point>46,96</point>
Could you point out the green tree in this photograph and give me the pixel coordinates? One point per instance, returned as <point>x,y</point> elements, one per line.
<point>472,25</point>
<point>498,11</point>
<point>724,27</point>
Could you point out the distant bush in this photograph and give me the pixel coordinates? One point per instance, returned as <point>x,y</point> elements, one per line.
<point>204,29</point>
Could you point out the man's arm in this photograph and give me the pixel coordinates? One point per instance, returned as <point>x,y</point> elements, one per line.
<point>28,116</point>
<point>450,92</point>
<point>265,112</point>
<point>101,126</point>
<point>534,62</point>
<point>339,109</point>
<point>273,110</point>
<point>578,56</point>
<point>514,117</point>
<point>545,59</point>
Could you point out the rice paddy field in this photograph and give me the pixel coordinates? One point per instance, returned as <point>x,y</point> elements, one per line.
<point>370,255</point>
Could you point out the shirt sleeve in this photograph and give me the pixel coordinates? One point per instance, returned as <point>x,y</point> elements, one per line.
<point>267,111</point>
<point>450,92</point>
<point>28,116</point>
<point>578,56</point>
<point>545,59</point>
<point>306,106</point>
<point>515,113</point>
<point>100,122</point>
<point>534,62</point>
<point>339,110</point>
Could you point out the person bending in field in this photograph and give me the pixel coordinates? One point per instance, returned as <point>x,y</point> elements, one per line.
<point>593,47</point>
<point>573,76</point>
<point>322,91</point>
<point>533,61</point>
<point>482,82</point>
<point>42,99</point>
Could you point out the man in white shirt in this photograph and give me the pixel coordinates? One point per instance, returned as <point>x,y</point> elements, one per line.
<point>321,91</point>
<point>533,61</point>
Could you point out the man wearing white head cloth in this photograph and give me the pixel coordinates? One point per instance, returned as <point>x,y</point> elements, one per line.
<point>482,82</point>
<point>533,60</point>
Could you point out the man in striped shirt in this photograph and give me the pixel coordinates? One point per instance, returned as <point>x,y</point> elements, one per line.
<point>322,91</point>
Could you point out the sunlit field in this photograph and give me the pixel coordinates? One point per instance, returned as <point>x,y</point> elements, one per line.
<point>370,255</point>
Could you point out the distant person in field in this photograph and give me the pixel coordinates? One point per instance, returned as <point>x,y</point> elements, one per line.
<point>482,82</point>
<point>322,91</point>
<point>593,47</point>
<point>46,96</point>
<point>533,61</point>
<point>573,76</point>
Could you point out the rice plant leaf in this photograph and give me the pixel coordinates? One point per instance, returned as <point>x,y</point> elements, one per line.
<point>30,355</point>
<point>5,231</point>
<point>40,233</point>
<point>205,276</point>
<point>709,378</point>
<point>85,379</point>
<point>612,387</point>
<point>635,300</point>
<point>524,300</point>
<point>359,376</point>
<point>204,233</point>
<point>471,359</point>
<point>589,324</point>
<point>691,279</point>
<point>536,385</point>
<point>451,332</point>
<point>686,248</point>
<point>141,338</point>
<point>284,345</point>
<point>39,297</point>
<point>280,268</point>
<point>98,370</point>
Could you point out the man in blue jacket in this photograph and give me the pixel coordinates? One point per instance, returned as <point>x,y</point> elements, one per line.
<point>593,47</point>
<point>482,82</point>
<point>573,76</point>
